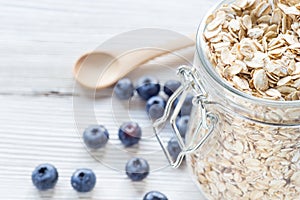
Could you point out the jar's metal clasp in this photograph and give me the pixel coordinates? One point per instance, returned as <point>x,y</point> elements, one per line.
<point>191,83</point>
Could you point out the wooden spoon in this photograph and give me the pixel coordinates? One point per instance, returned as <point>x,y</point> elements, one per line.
<point>101,69</point>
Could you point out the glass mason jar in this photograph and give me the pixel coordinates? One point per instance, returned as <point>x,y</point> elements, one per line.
<point>237,146</point>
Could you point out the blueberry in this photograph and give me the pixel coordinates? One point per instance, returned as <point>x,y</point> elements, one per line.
<point>186,106</point>
<point>173,148</point>
<point>95,136</point>
<point>147,87</point>
<point>137,169</point>
<point>124,89</point>
<point>182,124</point>
<point>171,86</point>
<point>130,133</point>
<point>156,111</point>
<point>155,107</point>
<point>155,195</point>
<point>83,180</point>
<point>44,176</point>
<point>155,100</point>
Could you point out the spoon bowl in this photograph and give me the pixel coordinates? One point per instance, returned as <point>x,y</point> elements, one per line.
<point>90,67</point>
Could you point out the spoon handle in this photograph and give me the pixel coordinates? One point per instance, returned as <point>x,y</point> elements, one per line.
<point>141,56</point>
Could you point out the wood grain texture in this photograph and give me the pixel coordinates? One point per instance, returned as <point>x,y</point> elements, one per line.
<point>40,41</point>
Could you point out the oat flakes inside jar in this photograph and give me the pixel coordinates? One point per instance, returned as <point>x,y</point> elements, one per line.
<point>243,140</point>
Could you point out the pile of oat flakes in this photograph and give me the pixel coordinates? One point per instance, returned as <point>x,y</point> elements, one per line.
<point>257,50</point>
<point>245,161</point>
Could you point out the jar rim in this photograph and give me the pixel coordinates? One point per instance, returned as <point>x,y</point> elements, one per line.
<point>200,49</point>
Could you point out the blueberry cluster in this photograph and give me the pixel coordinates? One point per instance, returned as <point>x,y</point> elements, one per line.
<point>45,176</point>
<point>96,136</point>
<point>130,133</point>
<point>148,88</point>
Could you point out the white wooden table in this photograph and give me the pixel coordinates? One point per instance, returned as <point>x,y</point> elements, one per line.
<point>40,41</point>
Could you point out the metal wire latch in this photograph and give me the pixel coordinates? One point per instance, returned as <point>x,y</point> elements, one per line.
<point>190,84</point>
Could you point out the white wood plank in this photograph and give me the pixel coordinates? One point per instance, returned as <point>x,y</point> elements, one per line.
<point>46,37</point>
<point>42,129</point>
